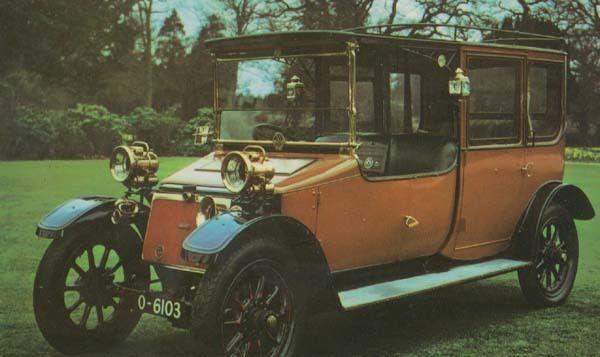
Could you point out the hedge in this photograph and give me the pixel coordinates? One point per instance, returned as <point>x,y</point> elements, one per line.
<point>88,131</point>
<point>591,154</point>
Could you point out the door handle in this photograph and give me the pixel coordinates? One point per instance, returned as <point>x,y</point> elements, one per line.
<point>411,222</point>
<point>527,169</point>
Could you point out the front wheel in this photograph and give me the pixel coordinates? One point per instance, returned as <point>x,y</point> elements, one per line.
<point>251,304</point>
<point>548,282</point>
<point>77,306</point>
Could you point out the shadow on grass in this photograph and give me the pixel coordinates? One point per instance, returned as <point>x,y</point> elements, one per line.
<point>386,329</point>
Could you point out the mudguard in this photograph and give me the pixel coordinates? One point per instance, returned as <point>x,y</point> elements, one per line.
<point>70,213</point>
<point>574,200</point>
<point>216,234</point>
<point>79,211</point>
<point>571,196</point>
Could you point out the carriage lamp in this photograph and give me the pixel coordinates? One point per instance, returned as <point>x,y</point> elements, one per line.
<point>295,91</point>
<point>460,85</point>
<point>134,165</point>
<point>247,170</point>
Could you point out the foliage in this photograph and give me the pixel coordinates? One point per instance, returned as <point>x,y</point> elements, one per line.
<point>32,135</point>
<point>89,130</point>
<point>185,142</point>
<point>583,154</point>
<point>158,129</point>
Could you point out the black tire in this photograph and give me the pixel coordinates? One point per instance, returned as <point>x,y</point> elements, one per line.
<point>548,282</point>
<point>218,322</point>
<point>64,289</point>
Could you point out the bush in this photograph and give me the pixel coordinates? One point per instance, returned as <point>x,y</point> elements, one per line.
<point>583,154</point>
<point>88,131</point>
<point>32,136</point>
<point>158,129</point>
<point>101,129</point>
<point>185,136</point>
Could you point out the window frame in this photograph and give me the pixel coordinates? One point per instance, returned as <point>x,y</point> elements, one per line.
<point>503,142</point>
<point>545,140</point>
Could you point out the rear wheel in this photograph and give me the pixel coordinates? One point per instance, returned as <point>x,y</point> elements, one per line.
<point>76,303</point>
<point>548,282</point>
<point>250,304</point>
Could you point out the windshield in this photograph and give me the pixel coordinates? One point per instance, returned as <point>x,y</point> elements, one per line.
<point>303,98</point>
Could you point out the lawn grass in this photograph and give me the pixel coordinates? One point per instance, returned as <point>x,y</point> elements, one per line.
<point>488,317</point>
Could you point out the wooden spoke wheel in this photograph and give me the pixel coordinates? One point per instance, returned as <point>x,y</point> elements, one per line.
<point>77,303</point>
<point>251,303</point>
<point>257,316</point>
<point>549,280</point>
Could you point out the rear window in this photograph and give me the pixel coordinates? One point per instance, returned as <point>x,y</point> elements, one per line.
<point>545,82</point>
<point>493,107</point>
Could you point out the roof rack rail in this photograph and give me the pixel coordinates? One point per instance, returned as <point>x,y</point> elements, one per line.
<point>461,33</point>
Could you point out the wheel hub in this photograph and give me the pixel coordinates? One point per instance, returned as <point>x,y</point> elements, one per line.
<point>96,286</point>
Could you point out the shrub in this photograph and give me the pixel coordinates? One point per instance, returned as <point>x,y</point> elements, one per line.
<point>101,129</point>
<point>185,135</point>
<point>158,129</point>
<point>32,135</point>
<point>582,154</point>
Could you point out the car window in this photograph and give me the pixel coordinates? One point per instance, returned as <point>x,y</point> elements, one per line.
<point>493,106</point>
<point>365,98</point>
<point>545,99</point>
<point>398,110</point>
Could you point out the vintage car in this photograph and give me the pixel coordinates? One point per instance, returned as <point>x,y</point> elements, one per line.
<point>349,168</point>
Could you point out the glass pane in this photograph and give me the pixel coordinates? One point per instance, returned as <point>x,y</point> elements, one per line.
<point>263,124</point>
<point>545,98</point>
<point>398,124</point>
<point>257,98</point>
<point>493,103</point>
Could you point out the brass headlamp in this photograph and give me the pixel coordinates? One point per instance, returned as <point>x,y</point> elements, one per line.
<point>247,170</point>
<point>135,165</point>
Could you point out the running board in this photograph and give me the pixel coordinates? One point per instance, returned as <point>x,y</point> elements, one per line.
<point>395,289</point>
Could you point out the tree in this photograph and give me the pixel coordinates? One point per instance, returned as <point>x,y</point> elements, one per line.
<point>198,81</point>
<point>143,10</point>
<point>170,56</point>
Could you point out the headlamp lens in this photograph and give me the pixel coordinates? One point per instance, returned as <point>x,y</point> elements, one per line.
<point>235,173</point>
<point>120,165</point>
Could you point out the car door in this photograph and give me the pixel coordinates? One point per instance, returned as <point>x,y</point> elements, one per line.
<point>493,162</point>
<point>545,116</point>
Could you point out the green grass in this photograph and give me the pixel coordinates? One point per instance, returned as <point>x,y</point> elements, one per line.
<point>488,317</point>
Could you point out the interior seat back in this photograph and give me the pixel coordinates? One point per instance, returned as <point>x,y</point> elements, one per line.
<point>419,153</point>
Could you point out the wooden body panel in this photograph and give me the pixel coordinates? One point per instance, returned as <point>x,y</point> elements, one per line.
<point>169,224</point>
<point>492,201</point>
<point>361,223</point>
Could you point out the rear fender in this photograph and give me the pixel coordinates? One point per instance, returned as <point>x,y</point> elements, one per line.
<point>570,196</point>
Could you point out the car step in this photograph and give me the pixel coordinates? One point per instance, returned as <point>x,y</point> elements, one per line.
<point>395,289</point>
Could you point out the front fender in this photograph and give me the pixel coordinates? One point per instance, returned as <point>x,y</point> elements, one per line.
<point>71,213</point>
<point>83,211</point>
<point>216,234</point>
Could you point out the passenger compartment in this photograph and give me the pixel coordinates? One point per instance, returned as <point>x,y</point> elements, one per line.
<point>420,153</point>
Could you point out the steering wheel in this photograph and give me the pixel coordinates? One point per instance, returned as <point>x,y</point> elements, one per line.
<point>265,131</point>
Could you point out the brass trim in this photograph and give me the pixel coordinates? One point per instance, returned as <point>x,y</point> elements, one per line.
<point>251,57</point>
<point>483,244</point>
<point>185,268</point>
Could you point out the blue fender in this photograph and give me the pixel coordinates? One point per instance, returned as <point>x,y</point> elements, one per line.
<point>70,213</point>
<point>216,234</point>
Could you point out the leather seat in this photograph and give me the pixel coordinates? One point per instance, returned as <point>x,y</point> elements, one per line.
<point>419,153</point>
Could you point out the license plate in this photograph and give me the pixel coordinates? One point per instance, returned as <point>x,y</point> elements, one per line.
<point>158,305</point>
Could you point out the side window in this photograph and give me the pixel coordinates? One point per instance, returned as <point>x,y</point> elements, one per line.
<point>365,103</point>
<point>405,119</point>
<point>493,107</point>
<point>545,83</point>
